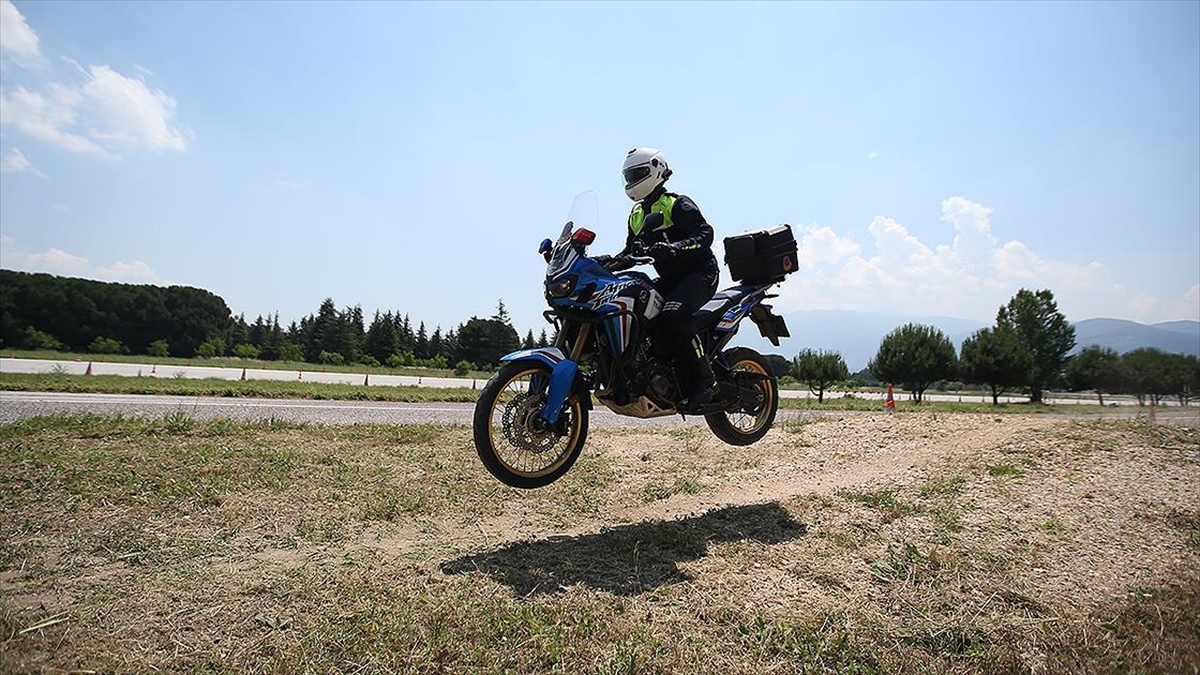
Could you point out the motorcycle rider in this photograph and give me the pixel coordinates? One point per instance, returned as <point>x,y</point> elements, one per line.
<point>688,274</point>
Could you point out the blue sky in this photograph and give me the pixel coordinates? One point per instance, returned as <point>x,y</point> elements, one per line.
<point>932,158</point>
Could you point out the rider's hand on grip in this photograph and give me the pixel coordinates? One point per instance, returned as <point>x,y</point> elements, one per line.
<point>662,251</point>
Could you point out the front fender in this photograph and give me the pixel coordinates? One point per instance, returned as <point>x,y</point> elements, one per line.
<point>550,356</point>
<point>564,379</point>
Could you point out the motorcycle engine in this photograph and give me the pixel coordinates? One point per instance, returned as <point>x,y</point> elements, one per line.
<point>652,376</point>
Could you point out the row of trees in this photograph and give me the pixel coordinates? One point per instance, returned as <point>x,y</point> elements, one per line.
<point>41,311</point>
<point>1027,349</point>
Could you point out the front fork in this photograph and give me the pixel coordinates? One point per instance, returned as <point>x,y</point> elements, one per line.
<point>563,374</point>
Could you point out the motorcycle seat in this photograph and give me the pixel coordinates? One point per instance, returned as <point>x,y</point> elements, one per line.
<point>714,309</point>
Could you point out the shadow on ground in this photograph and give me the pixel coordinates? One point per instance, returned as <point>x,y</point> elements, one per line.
<point>630,559</point>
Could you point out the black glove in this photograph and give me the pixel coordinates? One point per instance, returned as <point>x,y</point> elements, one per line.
<point>662,251</point>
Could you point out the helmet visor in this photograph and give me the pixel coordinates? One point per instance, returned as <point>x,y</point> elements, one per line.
<point>636,174</point>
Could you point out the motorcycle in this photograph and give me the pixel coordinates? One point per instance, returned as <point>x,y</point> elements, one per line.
<point>531,418</point>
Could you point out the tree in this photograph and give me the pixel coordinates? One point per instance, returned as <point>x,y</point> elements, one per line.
<point>77,311</point>
<point>529,342</point>
<point>1043,331</point>
<point>421,346</point>
<point>502,313</point>
<point>484,341</point>
<point>1152,372</point>
<point>916,356</point>
<point>1094,367</point>
<point>994,358</point>
<point>819,369</point>
<point>382,340</point>
<point>779,365</point>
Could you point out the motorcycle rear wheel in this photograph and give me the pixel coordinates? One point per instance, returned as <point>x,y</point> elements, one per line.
<point>747,424</point>
<point>512,441</point>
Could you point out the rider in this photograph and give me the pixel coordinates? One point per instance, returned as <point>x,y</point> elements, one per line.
<point>682,250</point>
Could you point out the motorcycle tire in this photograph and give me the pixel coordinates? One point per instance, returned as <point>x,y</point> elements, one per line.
<point>513,442</point>
<point>747,424</point>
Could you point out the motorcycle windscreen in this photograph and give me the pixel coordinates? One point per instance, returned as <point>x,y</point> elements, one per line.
<point>585,211</point>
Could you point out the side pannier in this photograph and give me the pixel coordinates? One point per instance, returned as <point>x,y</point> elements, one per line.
<point>766,256</point>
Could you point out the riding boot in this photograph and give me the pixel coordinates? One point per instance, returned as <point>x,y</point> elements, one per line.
<point>699,383</point>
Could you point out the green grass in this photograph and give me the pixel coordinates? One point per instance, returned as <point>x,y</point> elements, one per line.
<point>886,502</point>
<point>233,362</point>
<point>1003,470</point>
<point>119,384</point>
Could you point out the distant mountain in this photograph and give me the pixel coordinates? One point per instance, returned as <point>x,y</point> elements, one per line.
<point>1173,337</point>
<point>856,335</point>
<point>1187,327</point>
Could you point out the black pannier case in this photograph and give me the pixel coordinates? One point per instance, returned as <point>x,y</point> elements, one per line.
<point>761,257</point>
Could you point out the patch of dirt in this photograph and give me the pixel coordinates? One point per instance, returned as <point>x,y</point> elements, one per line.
<point>943,537</point>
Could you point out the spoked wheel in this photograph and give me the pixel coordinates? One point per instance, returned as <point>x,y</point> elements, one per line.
<point>513,441</point>
<point>752,420</point>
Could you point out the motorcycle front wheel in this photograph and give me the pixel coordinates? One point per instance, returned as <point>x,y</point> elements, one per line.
<point>753,419</point>
<point>512,439</point>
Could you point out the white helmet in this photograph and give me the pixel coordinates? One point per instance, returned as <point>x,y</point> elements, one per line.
<point>644,170</point>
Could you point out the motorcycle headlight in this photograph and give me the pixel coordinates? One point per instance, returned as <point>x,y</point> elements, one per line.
<point>560,288</point>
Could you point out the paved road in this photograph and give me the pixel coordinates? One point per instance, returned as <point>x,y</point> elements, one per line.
<point>16,405</point>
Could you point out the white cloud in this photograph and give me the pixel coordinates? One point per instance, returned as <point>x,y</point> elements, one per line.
<point>44,118</point>
<point>61,263</point>
<point>15,161</point>
<point>127,113</point>
<point>18,42</point>
<point>874,154</point>
<point>971,277</point>
<point>105,113</point>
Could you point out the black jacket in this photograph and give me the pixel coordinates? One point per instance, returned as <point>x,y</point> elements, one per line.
<point>689,233</point>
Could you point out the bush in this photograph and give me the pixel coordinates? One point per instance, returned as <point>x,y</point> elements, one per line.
<point>36,339</point>
<point>291,352</point>
<point>437,362</point>
<point>332,358</point>
<point>400,360</point>
<point>210,348</point>
<point>368,360</point>
<point>159,348</point>
<point>463,368</point>
<point>245,351</point>
<point>103,345</point>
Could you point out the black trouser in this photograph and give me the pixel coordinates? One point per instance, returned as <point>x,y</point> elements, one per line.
<point>681,299</point>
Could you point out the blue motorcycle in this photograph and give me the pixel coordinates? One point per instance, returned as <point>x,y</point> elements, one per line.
<point>531,418</point>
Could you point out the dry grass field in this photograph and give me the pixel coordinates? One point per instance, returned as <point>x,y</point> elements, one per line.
<point>940,543</point>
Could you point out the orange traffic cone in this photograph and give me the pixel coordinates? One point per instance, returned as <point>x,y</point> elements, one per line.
<point>89,370</point>
<point>243,374</point>
<point>890,405</point>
